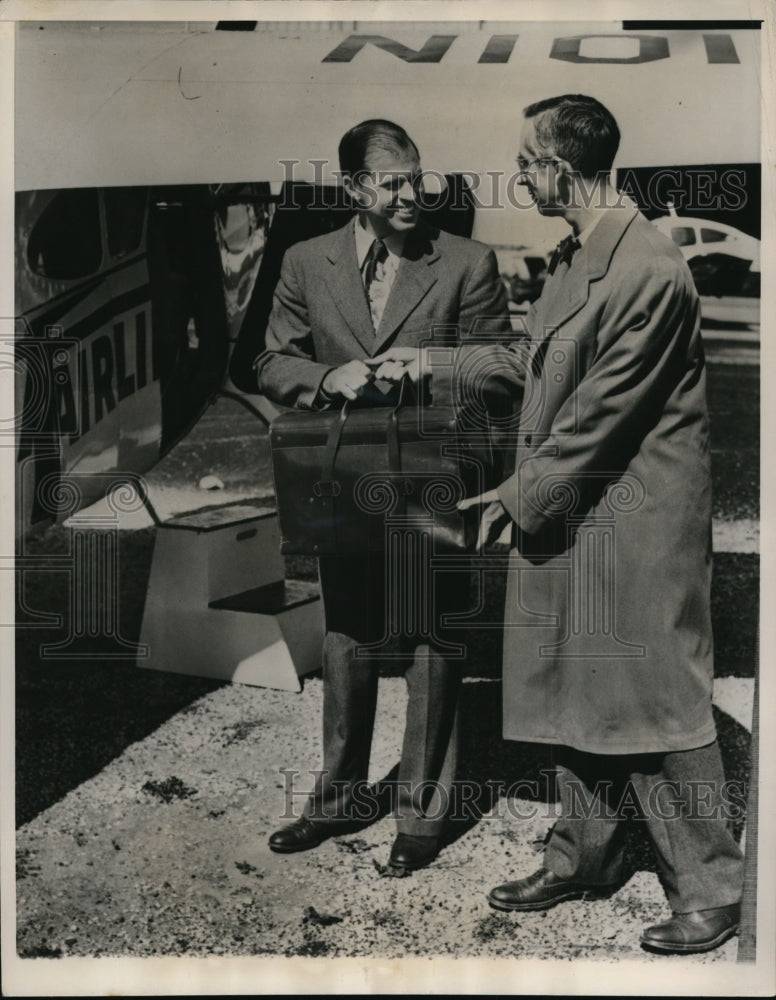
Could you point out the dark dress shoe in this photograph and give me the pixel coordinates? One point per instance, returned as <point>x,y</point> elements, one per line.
<point>410,852</point>
<point>542,890</point>
<point>700,930</point>
<point>302,835</point>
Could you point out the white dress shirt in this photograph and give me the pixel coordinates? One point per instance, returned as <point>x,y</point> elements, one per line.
<point>385,273</point>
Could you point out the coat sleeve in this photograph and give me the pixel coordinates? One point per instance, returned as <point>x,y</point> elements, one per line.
<point>286,371</point>
<point>489,359</point>
<point>643,349</point>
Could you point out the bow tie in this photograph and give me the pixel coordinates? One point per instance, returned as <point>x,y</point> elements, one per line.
<point>564,251</point>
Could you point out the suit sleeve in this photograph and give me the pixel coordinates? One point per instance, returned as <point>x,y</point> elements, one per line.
<point>643,343</point>
<point>490,356</point>
<point>484,300</point>
<point>286,370</point>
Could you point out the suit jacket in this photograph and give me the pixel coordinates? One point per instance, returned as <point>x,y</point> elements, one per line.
<point>608,644</point>
<point>446,286</point>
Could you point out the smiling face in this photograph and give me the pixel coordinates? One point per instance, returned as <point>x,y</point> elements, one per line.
<point>385,192</point>
<point>538,172</point>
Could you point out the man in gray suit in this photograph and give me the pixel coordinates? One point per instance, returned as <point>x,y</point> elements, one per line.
<point>351,313</point>
<point>608,646</point>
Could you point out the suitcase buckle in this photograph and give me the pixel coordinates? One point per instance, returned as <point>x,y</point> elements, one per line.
<point>327,488</point>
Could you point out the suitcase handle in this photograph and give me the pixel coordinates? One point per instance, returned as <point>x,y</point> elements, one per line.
<point>328,487</point>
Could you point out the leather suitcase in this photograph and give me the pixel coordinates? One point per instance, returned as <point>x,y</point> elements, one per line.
<point>344,478</point>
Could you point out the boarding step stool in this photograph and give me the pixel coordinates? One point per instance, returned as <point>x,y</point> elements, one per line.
<point>218,604</point>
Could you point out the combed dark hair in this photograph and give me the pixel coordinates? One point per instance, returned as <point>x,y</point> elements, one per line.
<point>375,133</point>
<point>578,129</point>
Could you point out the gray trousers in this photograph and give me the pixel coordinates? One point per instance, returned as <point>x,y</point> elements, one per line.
<point>354,598</point>
<point>682,798</point>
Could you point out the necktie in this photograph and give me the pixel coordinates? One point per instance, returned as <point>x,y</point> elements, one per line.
<point>564,251</point>
<point>378,254</point>
<point>376,293</point>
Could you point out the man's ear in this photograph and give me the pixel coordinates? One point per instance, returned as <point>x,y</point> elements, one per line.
<point>356,193</point>
<point>565,178</point>
<point>350,189</point>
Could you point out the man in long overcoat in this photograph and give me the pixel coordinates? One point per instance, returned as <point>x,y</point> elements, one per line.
<point>608,644</point>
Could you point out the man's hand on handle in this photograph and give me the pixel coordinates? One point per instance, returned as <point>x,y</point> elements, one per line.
<point>397,362</point>
<point>495,517</point>
<point>347,380</point>
<point>392,365</point>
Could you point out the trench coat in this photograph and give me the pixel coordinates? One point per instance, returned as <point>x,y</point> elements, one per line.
<point>608,643</point>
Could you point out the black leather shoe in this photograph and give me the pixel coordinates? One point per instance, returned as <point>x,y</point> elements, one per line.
<point>302,835</point>
<point>542,890</point>
<point>700,930</point>
<point>410,852</point>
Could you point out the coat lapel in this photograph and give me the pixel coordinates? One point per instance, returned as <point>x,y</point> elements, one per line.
<point>567,292</point>
<point>347,288</point>
<point>416,274</point>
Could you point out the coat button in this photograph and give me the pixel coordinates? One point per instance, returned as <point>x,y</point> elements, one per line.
<point>528,440</point>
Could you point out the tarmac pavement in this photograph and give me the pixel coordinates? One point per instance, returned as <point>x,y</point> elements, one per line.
<point>164,852</point>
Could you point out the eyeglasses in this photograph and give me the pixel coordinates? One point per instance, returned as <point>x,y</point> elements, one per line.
<point>523,165</point>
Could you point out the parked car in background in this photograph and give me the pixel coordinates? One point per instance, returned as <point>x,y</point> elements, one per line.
<point>725,265</point>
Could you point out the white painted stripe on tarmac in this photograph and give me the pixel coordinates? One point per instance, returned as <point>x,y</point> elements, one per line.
<point>734,357</point>
<point>732,336</point>
<point>741,536</point>
<point>735,697</point>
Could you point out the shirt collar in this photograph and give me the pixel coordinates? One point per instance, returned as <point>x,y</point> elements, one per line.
<point>364,240</point>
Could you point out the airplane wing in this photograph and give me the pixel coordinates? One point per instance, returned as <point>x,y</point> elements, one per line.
<point>145,103</point>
